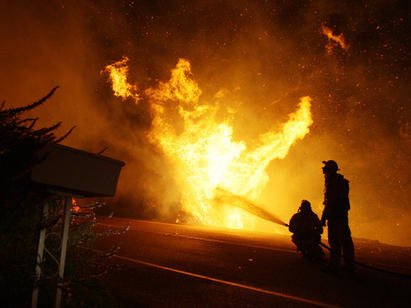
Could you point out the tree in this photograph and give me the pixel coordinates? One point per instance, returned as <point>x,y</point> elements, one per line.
<point>19,202</point>
<point>21,206</point>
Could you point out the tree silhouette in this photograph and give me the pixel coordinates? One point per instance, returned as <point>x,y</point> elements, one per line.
<point>20,202</point>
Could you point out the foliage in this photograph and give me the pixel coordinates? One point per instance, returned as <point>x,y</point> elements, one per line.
<point>21,207</point>
<point>19,202</point>
<point>83,264</point>
<point>19,141</point>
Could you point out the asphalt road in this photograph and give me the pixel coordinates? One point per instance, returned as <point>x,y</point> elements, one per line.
<point>175,265</point>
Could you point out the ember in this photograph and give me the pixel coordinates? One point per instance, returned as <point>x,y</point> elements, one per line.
<point>333,39</point>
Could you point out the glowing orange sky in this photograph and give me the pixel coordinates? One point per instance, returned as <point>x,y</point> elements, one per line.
<point>266,54</point>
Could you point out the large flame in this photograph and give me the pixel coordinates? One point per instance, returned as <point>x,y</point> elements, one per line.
<point>202,152</point>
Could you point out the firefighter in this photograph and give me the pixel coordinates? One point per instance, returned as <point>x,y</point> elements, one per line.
<point>307,230</point>
<point>336,207</point>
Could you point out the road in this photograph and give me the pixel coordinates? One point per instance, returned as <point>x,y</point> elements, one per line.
<point>177,265</point>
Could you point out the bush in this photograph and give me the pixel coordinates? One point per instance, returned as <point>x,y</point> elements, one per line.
<point>19,202</point>
<point>21,206</point>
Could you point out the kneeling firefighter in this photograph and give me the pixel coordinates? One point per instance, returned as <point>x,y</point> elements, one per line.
<point>307,229</point>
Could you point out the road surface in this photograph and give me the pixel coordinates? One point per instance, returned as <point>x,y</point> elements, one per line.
<point>177,265</point>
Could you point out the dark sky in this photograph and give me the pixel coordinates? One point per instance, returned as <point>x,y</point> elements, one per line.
<point>274,52</point>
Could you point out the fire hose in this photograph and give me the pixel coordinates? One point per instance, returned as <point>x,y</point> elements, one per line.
<point>225,196</point>
<point>372,267</point>
<point>367,266</point>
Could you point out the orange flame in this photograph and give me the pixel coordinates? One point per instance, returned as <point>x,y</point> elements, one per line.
<point>75,207</point>
<point>339,39</point>
<point>203,153</point>
<point>118,77</point>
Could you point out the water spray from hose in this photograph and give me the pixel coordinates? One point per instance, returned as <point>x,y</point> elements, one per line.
<point>227,197</point>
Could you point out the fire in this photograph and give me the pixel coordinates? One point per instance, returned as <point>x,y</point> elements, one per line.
<point>75,207</point>
<point>203,154</point>
<point>118,77</point>
<point>339,39</point>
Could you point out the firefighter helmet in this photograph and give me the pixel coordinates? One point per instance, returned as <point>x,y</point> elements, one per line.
<point>305,205</point>
<point>330,165</point>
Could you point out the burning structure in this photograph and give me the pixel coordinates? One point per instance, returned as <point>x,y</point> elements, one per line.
<point>304,81</point>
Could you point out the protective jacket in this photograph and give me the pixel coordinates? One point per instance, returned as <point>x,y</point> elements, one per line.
<point>336,198</point>
<point>305,223</point>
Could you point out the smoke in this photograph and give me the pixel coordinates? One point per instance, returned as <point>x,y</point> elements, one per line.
<point>266,55</point>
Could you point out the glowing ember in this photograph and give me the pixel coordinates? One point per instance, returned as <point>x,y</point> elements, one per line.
<point>202,150</point>
<point>337,39</point>
<point>75,207</point>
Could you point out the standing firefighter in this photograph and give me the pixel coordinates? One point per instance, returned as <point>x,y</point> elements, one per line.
<point>307,231</point>
<point>337,205</point>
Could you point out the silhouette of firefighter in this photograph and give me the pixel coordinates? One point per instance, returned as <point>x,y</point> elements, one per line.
<point>307,230</point>
<point>337,205</point>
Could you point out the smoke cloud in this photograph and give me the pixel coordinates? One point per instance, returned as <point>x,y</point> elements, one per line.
<point>265,55</point>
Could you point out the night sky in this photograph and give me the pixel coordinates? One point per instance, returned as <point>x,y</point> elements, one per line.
<point>267,54</point>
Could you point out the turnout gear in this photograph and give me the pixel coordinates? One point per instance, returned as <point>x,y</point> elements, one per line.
<point>336,198</point>
<point>307,231</point>
<point>335,215</point>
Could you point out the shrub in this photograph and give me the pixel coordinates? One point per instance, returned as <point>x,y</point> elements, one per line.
<point>21,206</point>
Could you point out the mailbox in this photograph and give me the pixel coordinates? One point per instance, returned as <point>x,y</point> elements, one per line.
<point>77,172</point>
<point>72,173</point>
